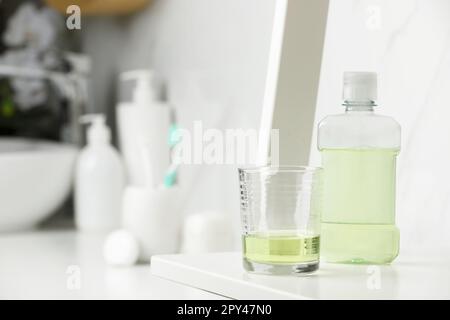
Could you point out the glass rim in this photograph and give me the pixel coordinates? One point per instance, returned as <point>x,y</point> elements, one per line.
<point>282,168</point>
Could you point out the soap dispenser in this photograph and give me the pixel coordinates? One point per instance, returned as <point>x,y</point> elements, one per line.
<point>144,125</point>
<point>99,180</point>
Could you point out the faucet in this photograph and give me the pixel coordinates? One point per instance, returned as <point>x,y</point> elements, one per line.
<point>72,86</point>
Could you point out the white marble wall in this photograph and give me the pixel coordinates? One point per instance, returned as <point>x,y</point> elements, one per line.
<point>213,54</point>
<point>408,43</point>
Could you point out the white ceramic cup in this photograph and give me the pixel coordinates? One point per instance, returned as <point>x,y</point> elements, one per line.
<point>153,217</point>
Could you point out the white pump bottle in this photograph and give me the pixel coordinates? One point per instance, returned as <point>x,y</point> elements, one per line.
<point>99,180</point>
<point>144,125</point>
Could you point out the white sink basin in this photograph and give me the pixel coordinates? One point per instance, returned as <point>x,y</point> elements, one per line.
<point>35,179</point>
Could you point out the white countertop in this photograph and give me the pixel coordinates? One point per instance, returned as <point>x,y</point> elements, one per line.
<point>46,265</point>
<point>414,275</point>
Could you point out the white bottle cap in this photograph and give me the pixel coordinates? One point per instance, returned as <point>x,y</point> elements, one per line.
<point>360,86</point>
<point>98,132</point>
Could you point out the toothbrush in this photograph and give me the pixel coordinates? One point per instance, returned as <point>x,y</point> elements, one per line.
<point>170,178</point>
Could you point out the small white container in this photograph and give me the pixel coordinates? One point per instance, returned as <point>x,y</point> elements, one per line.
<point>207,232</point>
<point>153,217</point>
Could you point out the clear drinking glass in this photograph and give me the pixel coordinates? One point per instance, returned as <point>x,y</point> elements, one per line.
<point>280,212</point>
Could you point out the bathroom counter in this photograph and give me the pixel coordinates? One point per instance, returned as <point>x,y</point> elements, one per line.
<point>68,265</point>
<point>425,277</point>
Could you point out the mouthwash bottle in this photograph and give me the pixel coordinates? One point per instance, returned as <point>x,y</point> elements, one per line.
<point>359,150</point>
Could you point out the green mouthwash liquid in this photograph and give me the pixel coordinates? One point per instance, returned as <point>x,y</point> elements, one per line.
<point>358,219</point>
<point>281,248</point>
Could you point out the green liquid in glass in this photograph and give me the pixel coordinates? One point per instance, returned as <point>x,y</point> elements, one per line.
<point>358,219</point>
<point>281,248</point>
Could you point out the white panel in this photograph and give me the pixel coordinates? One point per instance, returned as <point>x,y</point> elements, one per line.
<point>222,273</point>
<point>293,76</point>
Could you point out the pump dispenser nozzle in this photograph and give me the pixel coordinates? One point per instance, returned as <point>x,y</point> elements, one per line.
<point>98,131</point>
<point>147,88</point>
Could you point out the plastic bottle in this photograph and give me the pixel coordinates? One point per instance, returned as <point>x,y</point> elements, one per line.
<point>359,150</point>
<point>144,125</point>
<point>99,180</point>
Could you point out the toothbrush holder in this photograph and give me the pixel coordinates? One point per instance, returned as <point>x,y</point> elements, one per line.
<point>153,216</point>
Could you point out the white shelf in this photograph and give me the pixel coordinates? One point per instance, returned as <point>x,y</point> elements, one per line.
<point>222,273</point>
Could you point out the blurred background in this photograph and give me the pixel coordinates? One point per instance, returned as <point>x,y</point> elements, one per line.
<point>212,58</point>
<point>212,70</point>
